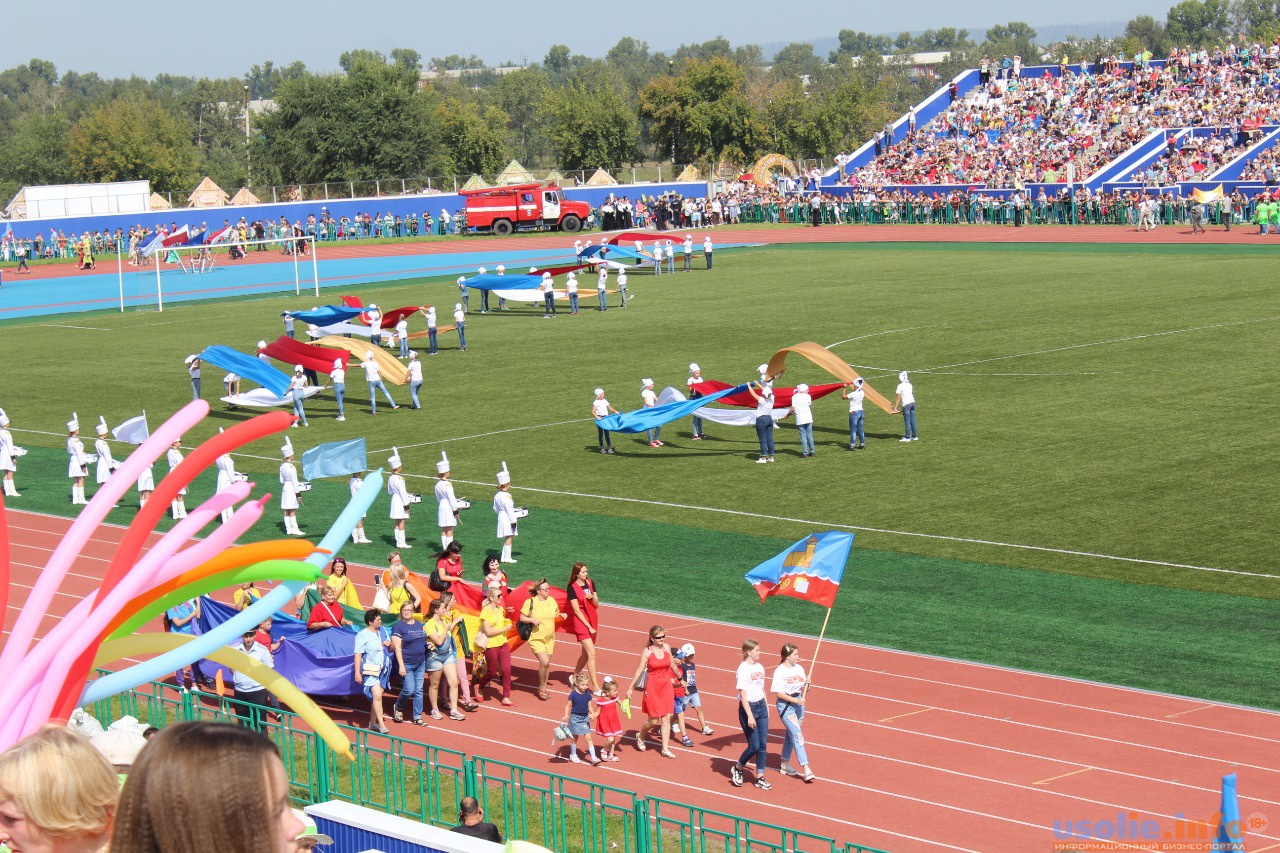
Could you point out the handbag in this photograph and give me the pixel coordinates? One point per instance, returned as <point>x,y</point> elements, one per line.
<point>436,584</point>
<point>525,629</point>
<point>369,669</point>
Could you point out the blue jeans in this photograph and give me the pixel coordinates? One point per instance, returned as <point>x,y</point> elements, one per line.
<point>604,300</point>
<point>373,395</point>
<point>622,291</point>
<point>297,406</point>
<point>573,303</point>
<point>549,303</point>
<point>602,437</point>
<point>484,301</point>
<point>404,347</point>
<point>653,434</point>
<point>764,432</point>
<point>466,301</point>
<point>697,426</point>
<point>195,388</point>
<point>290,333</point>
<point>792,716</point>
<point>462,336</point>
<point>688,260</point>
<point>806,437</point>
<point>432,343</point>
<point>340,393</point>
<point>857,435</point>
<point>708,254</point>
<point>909,421</point>
<point>758,737</point>
<point>413,392</point>
<point>415,675</point>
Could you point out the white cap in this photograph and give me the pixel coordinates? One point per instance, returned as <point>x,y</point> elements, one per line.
<point>532,270</point>
<point>457,306</point>
<point>501,268</point>
<point>413,355</point>
<point>481,271</point>
<point>337,362</point>
<point>857,383</point>
<point>504,476</point>
<point>74,423</point>
<point>802,388</point>
<point>103,429</point>
<point>688,236</point>
<point>394,461</point>
<point>297,368</point>
<point>372,305</point>
<point>442,467</point>
<point>763,369</point>
<point>190,358</point>
<point>688,649</point>
<point>287,448</point>
<point>546,275</point>
<point>368,355</point>
<point>693,368</point>
<point>599,392</point>
<point>4,419</point>
<point>262,344</point>
<point>902,377</point>
<point>645,383</point>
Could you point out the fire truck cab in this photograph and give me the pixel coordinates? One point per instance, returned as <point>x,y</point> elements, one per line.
<point>522,207</point>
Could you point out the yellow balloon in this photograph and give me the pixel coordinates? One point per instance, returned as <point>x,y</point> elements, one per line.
<point>272,681</point>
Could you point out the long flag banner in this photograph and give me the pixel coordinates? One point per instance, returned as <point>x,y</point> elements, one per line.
<point>781,396</point>
<point>728,417</point>
<point>654,417</point>
<point>810,569</point>
<point>319,359</point>
<point>223,234</point>
<point>326,315</point>
<point>334,459</point>
<point>493,281</point>
<point>247,367</point>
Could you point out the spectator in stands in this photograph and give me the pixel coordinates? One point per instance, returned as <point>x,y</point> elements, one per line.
<point>172,803</point>
<point>471,822</point>
<point>57,794</point>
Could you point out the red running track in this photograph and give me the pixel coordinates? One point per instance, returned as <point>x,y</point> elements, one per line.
<point>913,753</point>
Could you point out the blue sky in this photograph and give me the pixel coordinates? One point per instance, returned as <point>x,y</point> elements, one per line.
<point>226,38</point>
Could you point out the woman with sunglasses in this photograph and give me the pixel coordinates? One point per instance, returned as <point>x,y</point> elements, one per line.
<point>659,668</point>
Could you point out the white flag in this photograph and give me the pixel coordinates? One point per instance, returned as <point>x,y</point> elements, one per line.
<point>134,430</point>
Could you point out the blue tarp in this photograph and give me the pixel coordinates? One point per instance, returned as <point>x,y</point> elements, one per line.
<point>327,315</point>
<point>614,253</point>
<point>335,459</point>
<point>652,418</point>
<point>247,367</point>
<point>493,281</point>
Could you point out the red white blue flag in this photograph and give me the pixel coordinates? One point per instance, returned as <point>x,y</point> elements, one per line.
<point>810,569</point>
<point>224,233</point>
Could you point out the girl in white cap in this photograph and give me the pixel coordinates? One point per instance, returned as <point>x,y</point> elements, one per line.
<point>650,400</point>
<point>298,389</point>
<point>78,464</point>
<point>447,511</point>
<point>174,457</point>
<point>600,410</point>
<point>415,378</point>
<point>357,535</point>
<point>338,379</point>
<point>764,418</point>
<point>289,500</point>
<point>193,371</point>
<point>373,374</point>
<point>226,478</point>
<point>375,324</point>
<point>399,498</point>
<point>8,457</point>
<point>857,433</point>
<point>504,506</point>
<point>432,341</point>
<point>103,451</point>
<point>571,290</point>
<point>905,402</point>
<point>802,405</point>
<point>695,378</point>
<point>460,320</point>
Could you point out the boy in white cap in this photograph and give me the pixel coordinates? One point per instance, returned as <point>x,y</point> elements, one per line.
<point>262,356</point>
<point>399,498</point>
<point>905,402</point>
<point>298,390</point>
<point>288,324</point>
<point>78,464</point>
<point>600,410</point>
<point>432,343</point>
<point>706,250</point>
<point>8,457</point>
<point>695,378</point>
<point>373,375</point>
<point>402,333</point>
<point>193,372</point>
<point>548,296</point>
<point>670,251</point>
<point>571,290</point>
<point>463,293</point>
<point>357,535</point>
<point>657,258</point>
<point>338,379</point>
<point>289,501</point>
<point>415,379</point>
<point>689,674</point>
<point>602,282</point>
<point>174,457</point>
<point>375,325</point>
<point>103,451</point>
<point>650,400</point>
<point>622,287</point>
<point>226,478</point>
<point>688,253</point>
<point>504,506</point>
<point>460,320</point>
<point>447,503</point>
<point>802,405</point>
<point>854,394</point>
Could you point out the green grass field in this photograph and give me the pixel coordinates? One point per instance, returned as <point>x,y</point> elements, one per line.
<point>1076,404</point>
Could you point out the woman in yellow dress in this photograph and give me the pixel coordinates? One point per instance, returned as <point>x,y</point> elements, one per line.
<point>541,610</point>
<point>342,585</point>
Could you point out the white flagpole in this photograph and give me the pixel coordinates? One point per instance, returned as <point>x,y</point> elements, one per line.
<point>120,274</point>
<point>159,291</point>
<point>315,270</point>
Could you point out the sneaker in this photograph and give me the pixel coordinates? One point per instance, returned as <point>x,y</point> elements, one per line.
<point>610,450</point>
<point>574,759</point>
<point>853,447</point>
<point>808,776</point>
<point>341,417</point>
<point>917,438</point>
<point>613,756</point>
<point>707,730</point>
<point>762,460</point>
<point>602,450</point>
<point>903,439</point>
<point>436,715</point>
<point>788,770</point>
<point>735,776</point>
<point>686,741</point>
<point>763,785</point>
<point>456,715</point>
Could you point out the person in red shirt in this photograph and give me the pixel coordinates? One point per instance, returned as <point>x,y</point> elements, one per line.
<point>327,613</point>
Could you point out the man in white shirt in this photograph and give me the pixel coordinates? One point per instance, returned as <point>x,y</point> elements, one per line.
<point>906,403</point>
<point>251,696</point>
<point>373,374</point>
<point>650,400</point>
<point>802,405</point>
<point>854,394</point>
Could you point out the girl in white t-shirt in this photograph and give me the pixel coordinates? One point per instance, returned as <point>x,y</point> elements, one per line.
<point>600,409</point>
<point>753,715</point>
<point>789,689</point>
<point>802,405</point>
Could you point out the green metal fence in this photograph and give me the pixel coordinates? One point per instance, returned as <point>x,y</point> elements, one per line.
<point>424,782</point>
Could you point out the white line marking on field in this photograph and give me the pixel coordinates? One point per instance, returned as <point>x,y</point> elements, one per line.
<point>66,326</point>
<point>886,332</point>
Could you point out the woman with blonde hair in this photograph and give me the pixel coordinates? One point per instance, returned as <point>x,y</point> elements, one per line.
<point>172,803</point>
<point>57,794</point>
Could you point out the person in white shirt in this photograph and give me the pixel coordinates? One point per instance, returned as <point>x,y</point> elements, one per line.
<point>447,503</point>
<point>460,321</point>
<point>602,282</point>
<point>432,342</point>
<point>298,389</point>
<point>600,409</point>
<point>289,500</point>
<point>571,289</point>
<point>753,715</point>
<point>373,375</point>
<point>789,689</point>
<point>193,373</point>
<point>251,696</point>
<point>399,498</point>
<point>802,405</point>
<point>338,379</point>
<point>357,535</point>
<point>288,324</point>
<point>548,296</point>
<point>695,378</point>
<point>906,403</point>
<point>174,457</point>
<point>688,252</point>
<point>402,333</point>
<point>375,325</point>
<point>226,478</point>
<point>103,451</point>
<point>504,506</point>
<point>764,418</point>
<point>415,379</point>
<point>262,356</point>
<point>78,463</point>
<point>650,400</point>
<point>622,287</point>
<point>657,258</point>
<point>854,394</point>
<point>706,250</point>
<point>8,457</point>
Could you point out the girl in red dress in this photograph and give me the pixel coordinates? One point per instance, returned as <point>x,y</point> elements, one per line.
<point>659,701</point>
<point>608,722</point>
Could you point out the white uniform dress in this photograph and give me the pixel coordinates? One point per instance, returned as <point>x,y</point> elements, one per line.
<point>105,462</point>
<point>505,507</point>
<point>354,484</point>
<point>7,448</point>
<point>146,480</point>
<point>175,458</point>
<point>448,504</point>
<point>288,485</point>
<point>399,497</point>
<point>226,472</point>
<point>78,464</point>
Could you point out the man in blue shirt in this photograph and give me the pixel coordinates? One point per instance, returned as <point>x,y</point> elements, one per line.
<point>182,620</point>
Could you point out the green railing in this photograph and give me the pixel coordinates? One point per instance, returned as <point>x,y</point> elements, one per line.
<point>424,782</point>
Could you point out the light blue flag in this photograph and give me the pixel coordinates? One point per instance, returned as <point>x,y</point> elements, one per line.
<point>493,281</point>
<point>247,367</point>
<point>326,315</point>
<point>334,459</point>
<point>1230,830</point>
<point>652,418</point>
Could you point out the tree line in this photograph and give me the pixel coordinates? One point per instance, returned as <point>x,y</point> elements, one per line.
<point>377,117</point>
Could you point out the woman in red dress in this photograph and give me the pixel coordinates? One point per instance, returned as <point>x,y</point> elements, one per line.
<point>659,701</point>
<point>584,620</point>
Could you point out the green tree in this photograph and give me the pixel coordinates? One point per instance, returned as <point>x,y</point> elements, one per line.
<point>408,59</point>
<point>703,113</point>
<point>454,62</point>
<point>130,140</point>
<point>1149,33</point>
<point>857,43</point>
<point>591,123</point>
<point>472,137</point>
<point>796,60</point>
<point>1198,24</point>
<point>35,153</point>
<point>1257,19</point>
<point>1013,39</point>
<point>521,96</point>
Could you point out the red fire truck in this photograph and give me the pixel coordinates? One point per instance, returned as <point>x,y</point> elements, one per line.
<point>523,207</point>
